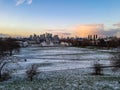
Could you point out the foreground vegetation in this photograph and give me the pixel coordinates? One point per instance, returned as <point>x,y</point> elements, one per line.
<point>8,47</point>
<point>64,81</point>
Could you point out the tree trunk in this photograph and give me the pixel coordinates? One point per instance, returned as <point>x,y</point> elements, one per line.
<point>11,52</point>
<point>2,68</point>
<point>31,78</point>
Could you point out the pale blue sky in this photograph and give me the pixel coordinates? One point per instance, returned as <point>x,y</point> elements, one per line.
<point>39,15</point>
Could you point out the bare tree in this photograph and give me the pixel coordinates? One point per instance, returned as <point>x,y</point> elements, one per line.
<point>32,71</point>
<point>5,71</point>
<point>116,62</point>
<point>98,69</point>
<point>7,46</point>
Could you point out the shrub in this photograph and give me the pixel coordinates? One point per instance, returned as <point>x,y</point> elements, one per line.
<point>116,62</point>
<point>32,71</point>
<point>98,70</point>
<point>5,76</point>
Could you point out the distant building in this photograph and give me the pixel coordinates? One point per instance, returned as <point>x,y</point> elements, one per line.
<point>56,40</point>
<point>23,43</point>
<point>46,39</point>
<point>93,39</point>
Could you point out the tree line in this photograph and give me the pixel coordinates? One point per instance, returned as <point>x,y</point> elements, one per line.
<point>8,46</point>
<point>113,42</point>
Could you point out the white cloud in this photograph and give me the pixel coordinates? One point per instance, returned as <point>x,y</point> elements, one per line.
<point>117,24</point>
<point>29,1</point>
<point>4,35</point>
<point>18,2</point>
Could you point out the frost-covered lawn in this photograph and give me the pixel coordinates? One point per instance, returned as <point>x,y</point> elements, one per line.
<point>63,68</point>
<point>64,80</point>
<point>62,58</point>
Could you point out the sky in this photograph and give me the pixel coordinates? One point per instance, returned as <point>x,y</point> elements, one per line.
<point>63,17</point>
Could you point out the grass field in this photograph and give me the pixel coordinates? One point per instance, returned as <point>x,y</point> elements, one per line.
<point>63,69</point>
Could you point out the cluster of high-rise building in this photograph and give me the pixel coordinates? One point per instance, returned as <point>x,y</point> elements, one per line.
<point>49,39</point>
<point>93,37</point>
<point>46,39</point>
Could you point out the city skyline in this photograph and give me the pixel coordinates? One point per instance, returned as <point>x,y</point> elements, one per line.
<point>62,17</point>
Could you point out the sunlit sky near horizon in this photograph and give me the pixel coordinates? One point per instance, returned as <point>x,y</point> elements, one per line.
<point>64,17</point>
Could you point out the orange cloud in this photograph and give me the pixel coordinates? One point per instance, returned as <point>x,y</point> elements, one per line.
<point>85,30</point>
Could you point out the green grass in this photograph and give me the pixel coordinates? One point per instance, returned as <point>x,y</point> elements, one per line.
<point>62,83</point>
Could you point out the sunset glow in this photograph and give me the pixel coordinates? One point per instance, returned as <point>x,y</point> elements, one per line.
<point>85,30</point>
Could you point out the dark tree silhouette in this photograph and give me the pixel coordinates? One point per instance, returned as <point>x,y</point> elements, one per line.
<point>12,45</point>
<point>7,46</point>
<point>116,62</point>
<point>98,69</point>
<point>32,71</point>
<point>102,43</point>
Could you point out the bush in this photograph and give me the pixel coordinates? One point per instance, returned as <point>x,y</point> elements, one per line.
<point>98,70</point>
<point>5,76</point>
<point>116,62</point>
<point>32,71</point>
